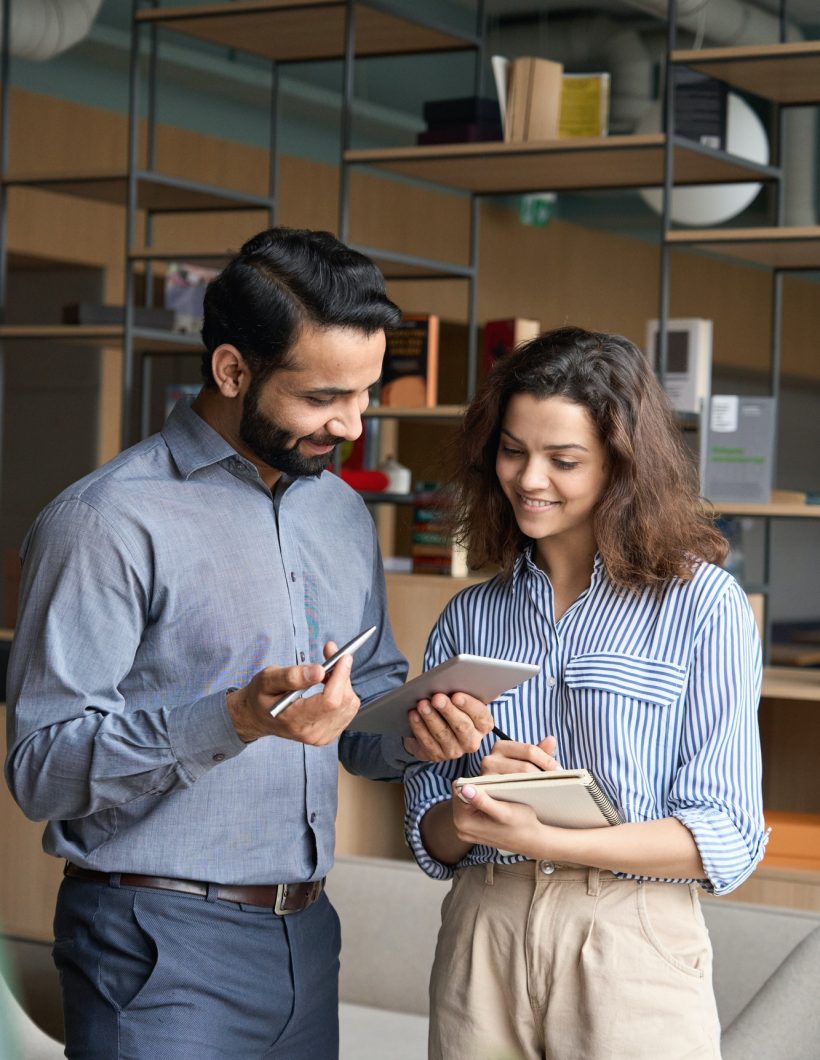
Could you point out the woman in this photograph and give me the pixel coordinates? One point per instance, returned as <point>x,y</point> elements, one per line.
<point>589,943</point>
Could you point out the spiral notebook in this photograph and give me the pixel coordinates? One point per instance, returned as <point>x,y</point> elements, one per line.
<point>568,798</point>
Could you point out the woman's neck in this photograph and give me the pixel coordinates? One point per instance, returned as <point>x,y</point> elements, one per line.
<point>569,570</point>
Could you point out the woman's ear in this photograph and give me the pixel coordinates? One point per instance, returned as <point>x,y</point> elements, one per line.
<point>230,370</point>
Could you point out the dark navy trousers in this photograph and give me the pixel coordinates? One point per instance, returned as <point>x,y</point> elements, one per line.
<point>159,975</point>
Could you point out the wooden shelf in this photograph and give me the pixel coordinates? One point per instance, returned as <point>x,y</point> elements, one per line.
<point>791,682</point>
<point>775,510</point>
<point>784,73</point>
<point>100,335</point>
<point>155,191</point>
<point>555,165</point>
<point>304,30</point>
<point>776,248</point>
<point>439,412</point>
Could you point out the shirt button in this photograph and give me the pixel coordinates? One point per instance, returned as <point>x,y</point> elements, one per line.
<point>312,818</point>
<point>218,757</point>
<point>551,682</point>
<point>546,867</point>
<point>293,576</point>
<point>301,656</point>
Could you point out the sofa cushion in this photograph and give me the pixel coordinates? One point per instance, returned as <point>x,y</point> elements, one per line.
<point>783,1019</point>
<point>750,942</point>
<point>373,1034</point>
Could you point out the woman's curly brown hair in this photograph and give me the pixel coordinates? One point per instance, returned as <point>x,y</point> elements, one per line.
<point>651,525</point>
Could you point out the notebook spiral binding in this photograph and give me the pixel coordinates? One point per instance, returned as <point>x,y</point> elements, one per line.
<point>602,802</point>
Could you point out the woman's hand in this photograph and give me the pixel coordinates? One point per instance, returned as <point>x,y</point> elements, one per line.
<point>479,818</point>
<point>508,756</point>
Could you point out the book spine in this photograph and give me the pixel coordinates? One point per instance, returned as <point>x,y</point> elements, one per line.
<point>602,802</point>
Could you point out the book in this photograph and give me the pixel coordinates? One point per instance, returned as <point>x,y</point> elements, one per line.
<point>739,451</point>
<point>688,379</point>
<point>567,798</point>
<point>584,105</point>
<point>409,373</point>
<point>533,99</point>
<point>502,336</point>
<point>700,108</point>
<point>463,110</point>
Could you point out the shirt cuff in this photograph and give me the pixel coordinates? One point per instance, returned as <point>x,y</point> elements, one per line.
<point>728,858</point>
<point>202,734</point>
<point>394,753</point>
<point>412,830</point>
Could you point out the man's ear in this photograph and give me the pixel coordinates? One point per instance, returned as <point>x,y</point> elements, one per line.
<point>229,369</point>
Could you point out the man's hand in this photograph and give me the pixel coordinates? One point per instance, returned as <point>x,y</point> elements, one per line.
<point>315,720</point>
<point>445,728</point>
<point>508,756</point>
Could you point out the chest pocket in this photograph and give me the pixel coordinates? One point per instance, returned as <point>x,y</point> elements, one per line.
<point>632,676</point>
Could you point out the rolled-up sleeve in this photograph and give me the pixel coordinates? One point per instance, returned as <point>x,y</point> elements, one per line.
<point>717,792</point>
<point>429,783</point>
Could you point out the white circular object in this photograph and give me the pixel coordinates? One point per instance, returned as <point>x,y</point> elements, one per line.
<point>709,205</point>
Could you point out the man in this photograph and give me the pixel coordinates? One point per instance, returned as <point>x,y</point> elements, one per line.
<point>169,599</point>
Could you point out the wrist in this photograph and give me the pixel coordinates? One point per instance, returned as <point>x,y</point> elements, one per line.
<point>241,718</point>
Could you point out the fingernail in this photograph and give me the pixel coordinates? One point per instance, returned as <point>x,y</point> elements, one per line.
<point>425,709</point>
<point>468,791</point>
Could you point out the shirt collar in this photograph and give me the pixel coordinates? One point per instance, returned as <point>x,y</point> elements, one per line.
<point>525,566</point>
<point>192,442</point>
<point>194,445</point>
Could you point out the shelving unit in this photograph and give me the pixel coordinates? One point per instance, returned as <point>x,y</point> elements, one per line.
<point>786,75</point>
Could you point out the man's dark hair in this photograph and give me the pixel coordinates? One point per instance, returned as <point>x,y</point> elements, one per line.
<point>281,280</point>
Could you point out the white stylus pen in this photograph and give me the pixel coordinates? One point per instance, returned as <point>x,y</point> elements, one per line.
<point>328,664</point>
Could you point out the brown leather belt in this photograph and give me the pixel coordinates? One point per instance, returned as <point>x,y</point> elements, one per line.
<point>282,898</point>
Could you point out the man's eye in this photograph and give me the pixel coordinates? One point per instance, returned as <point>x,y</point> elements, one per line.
<point>321,402</point>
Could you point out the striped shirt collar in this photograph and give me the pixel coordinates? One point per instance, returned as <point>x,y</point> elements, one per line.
<point>525,567</point>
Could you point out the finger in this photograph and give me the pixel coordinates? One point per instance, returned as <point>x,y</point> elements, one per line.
<point>477,711</point>
<point>275,679</point>
<point>549,745</point>
<point>330,648</point>
<point>482,802</point>
<point>460,725</point>
<point>432,733</point>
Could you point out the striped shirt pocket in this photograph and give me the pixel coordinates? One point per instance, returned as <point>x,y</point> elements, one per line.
<point>634,676</point>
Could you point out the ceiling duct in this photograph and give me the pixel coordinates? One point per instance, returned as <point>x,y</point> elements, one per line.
<point>41,29</point>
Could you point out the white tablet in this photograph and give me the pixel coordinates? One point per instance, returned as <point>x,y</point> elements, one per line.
<point>486,679</point>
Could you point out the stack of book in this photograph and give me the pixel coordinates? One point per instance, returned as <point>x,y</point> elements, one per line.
<point>541,102</point>
<point>432,549</point>
<point>468,120</point>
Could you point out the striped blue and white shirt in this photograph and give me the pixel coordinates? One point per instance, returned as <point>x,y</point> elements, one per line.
<point>656,697</point>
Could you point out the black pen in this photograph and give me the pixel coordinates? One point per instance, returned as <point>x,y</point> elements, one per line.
<point>500,733</point>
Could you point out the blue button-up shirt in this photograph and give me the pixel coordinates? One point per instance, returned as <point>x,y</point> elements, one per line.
<point>150,588</point>
<point>655,695</point>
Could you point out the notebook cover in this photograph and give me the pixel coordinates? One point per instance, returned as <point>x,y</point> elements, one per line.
<point>568,798</point>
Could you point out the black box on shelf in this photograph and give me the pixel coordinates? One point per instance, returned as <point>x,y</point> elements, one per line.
<point>463,133</point>
<point>467,110</point>
<point>700,108</point>
<point>87,313</point>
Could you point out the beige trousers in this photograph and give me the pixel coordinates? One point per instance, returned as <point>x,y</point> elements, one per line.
<point>538,962</point>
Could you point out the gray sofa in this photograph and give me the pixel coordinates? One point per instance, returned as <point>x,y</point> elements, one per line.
<point>767,971</point>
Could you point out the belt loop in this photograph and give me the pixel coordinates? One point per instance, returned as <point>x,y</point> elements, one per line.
<point>212,892</point>
<point>114,879</point>
<point>488,874</point>
<point>594,882</point>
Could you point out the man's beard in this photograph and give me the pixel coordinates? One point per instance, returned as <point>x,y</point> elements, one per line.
<point>270,443</point>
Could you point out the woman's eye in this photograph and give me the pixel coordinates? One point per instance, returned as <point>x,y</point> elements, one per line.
<point>566,465</point>
<point>506,451</point>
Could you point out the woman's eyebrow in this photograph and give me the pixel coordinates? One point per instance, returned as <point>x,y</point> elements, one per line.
<point>549,448</point>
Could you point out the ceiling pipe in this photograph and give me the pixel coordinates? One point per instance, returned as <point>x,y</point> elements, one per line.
<point>735,22</point>
<point>41,29</point>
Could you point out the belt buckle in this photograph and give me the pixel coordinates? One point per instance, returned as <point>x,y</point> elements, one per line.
<point>280,906</point>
